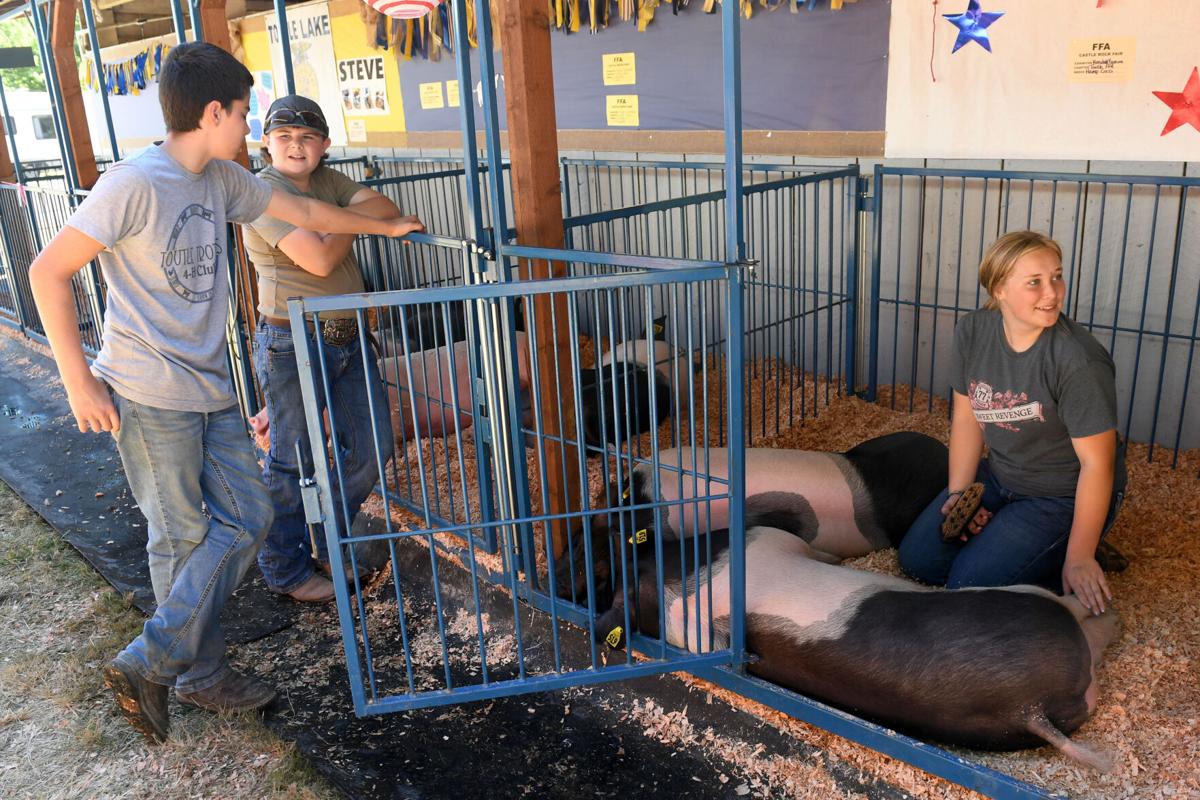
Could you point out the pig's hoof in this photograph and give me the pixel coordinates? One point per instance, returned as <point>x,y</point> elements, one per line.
<point>962,512</point>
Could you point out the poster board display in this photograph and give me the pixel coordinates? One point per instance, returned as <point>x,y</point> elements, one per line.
<point>1062,81</point>
<point>819,70</point>
<point>310,35</point>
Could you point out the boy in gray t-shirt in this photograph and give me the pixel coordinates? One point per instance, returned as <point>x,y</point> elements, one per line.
<point>161,384</point>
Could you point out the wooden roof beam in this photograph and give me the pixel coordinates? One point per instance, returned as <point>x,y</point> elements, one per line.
<point>62,48</point>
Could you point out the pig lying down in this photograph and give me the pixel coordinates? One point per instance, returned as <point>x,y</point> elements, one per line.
<point>994,669</point>
<point>636,388</point>
<point>843,504</point>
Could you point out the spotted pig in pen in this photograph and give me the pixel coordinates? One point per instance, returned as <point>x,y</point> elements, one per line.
<point>994,669</point>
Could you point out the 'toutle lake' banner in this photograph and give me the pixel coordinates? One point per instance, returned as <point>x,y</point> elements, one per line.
<point>313,63</point>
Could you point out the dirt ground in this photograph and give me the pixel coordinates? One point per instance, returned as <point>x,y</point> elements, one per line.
<point>60,734</point>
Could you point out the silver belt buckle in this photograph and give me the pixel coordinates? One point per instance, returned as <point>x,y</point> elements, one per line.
<point>339,332</point>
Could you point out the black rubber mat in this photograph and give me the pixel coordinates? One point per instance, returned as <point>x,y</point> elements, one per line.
<point>75,481</point>
<point>575,743</point>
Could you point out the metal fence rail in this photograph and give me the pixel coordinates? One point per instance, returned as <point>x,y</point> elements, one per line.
<point>595,185</point>
<point>30,218</point>
<point>435,190</point>
<point>1131,256</point>
<point>801,287</point>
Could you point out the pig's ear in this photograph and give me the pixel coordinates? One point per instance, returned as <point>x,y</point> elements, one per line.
<point>659,328</point>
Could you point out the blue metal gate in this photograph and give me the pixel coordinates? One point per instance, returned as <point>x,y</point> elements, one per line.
<point>436,646</point>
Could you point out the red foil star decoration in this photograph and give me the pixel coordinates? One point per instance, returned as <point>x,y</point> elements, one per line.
<point>1185,105</point>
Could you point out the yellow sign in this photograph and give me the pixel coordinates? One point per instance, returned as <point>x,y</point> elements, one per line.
<point>622,109</point>
<point>452,94</point>
<point>620,69</point>
<point>431,95</point>
<point>1101,60</point>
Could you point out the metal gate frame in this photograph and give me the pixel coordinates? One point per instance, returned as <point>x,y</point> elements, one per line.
<point>512,522</point>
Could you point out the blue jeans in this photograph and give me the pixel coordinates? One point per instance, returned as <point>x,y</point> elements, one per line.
<point>196,480</point>
<point>286,558</point>
<point>1025,541</point>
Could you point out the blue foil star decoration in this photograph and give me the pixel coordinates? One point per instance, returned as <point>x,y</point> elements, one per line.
<point>972,25</point>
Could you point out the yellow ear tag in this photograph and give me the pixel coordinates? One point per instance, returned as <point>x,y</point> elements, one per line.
<point>658,328</point>
<point>614,636</point>
<point>625,496</point>
<point>641,537</point>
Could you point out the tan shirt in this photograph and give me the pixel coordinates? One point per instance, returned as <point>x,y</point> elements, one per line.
<point>278,276</point>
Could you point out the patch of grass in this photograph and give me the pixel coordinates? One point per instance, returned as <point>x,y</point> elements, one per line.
<point>92,735</point>
<point>292,776</point>
<point>113,621</point>
<point>13,718</point>
<point>60,733</point>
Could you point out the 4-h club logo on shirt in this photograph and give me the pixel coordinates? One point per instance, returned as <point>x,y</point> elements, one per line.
<point>191,269</point>
<point>1003,409</point>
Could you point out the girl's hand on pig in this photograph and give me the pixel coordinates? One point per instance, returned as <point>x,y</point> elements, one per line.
<point>1084,578</point>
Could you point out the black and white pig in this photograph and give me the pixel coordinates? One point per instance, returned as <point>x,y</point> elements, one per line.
<point>995,669</point>
<point>624,375</point>
<point>842,504</point>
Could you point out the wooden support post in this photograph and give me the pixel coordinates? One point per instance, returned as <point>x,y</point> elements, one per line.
<point>216,31</point>
<point>62,47</point>
<point>524,33</point>
<point>7,173</point>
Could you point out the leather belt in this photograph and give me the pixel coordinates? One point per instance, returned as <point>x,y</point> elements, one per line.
<point>335,332</point>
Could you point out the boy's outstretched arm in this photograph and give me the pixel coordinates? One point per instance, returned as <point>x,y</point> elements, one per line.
<point>50,278</point>
<point>320,253</point>
<point>313,215</point>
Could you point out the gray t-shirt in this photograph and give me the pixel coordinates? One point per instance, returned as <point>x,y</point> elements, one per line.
<point>164,233</point>
<point>1031,404</point>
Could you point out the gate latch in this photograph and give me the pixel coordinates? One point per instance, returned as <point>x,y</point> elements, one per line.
<point>310,492</point>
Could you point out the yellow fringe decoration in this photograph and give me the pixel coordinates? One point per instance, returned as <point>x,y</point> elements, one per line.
<point>395,32</point>
<point>435,36</point>
<point>646,9</point>
<point>574,16</point>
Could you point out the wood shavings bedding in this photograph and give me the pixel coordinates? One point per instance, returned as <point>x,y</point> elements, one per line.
<point>1149,709</point>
